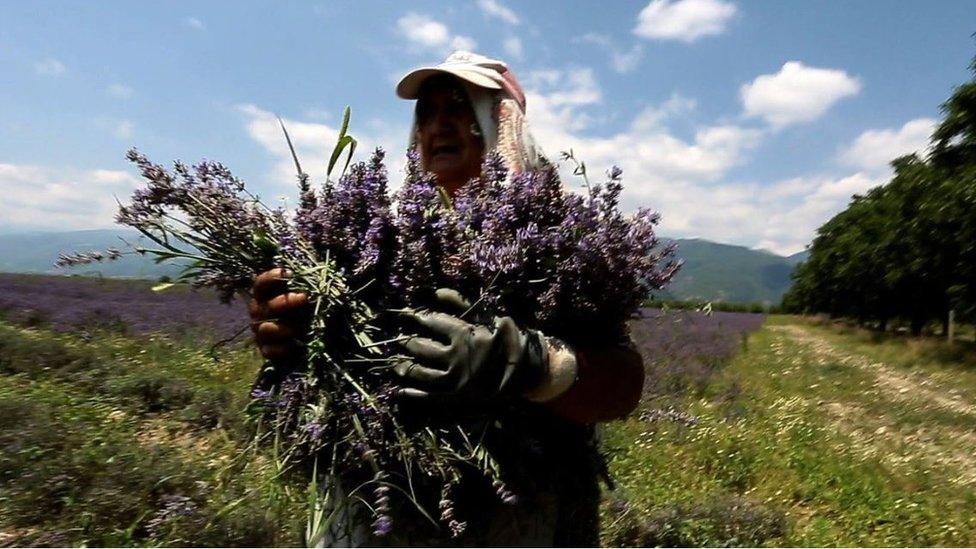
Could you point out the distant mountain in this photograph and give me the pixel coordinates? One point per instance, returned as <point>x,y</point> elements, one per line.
<point>712,271</point>
<point>736,274</point>
<point>37,252</point>
<point>798,257</point>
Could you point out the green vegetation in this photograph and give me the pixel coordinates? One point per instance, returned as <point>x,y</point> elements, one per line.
<point>699,305</point>
<point>813,436</point>
<point>906,250</point>
<point>727,273</point>
<point>107,440</point>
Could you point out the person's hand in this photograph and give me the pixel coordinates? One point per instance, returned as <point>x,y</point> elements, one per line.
<point>279,318</point>
<point>469,361</point>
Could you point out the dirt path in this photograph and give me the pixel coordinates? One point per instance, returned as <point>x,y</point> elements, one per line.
<point>899,386</point>
<point>876,434</point>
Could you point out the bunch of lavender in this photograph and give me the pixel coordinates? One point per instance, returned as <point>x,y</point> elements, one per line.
<point>571,265</point>
<point>202,215</point>
<point>334,409</point>
<point>351,222</point>
<point>521,245</point>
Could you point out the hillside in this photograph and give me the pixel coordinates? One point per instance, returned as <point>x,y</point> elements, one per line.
<point>725,272</point>
<point>37,252</point>
<point>712,271</point>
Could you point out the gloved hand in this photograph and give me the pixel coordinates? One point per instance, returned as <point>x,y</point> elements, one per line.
<point>468,360</point>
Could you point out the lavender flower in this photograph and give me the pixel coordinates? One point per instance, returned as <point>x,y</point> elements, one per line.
<point>383,525</point>
<point>85,258</point>
<point>421,234</point>
<point>173,508</point>
<point>550,259</point>
<point>353,224</point>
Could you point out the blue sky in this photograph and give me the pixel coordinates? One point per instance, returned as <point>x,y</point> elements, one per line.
<point>742,122</point>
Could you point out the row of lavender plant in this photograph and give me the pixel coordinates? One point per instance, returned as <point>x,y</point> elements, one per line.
<point>79,304</point>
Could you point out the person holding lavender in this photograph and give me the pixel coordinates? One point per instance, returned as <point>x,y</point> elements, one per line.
<point>466,107</point>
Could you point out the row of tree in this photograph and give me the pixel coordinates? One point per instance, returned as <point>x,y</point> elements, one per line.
<point>905,250</point>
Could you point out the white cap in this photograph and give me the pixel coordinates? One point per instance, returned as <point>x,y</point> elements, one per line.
<point>471,67</point>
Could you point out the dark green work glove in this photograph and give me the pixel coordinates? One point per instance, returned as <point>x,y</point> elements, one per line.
<point>468,360</point>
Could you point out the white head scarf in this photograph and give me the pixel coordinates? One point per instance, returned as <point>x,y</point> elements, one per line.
<point>498,103</point>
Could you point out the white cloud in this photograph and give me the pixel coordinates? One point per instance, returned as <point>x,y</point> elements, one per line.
<point>465,43</point>
<point>797,93</point>
<point>316,113</point>
<point>194,23</point>
<point>120,91</point>
<point>873,150</point>
<point>654,116</point>
<point>557,102</point>
<point>39,197</point>
<point>683,20</point>
<point>687,179</point>
<point>117,127</point>
<point>314,142</point>
<point>493,8</point>
<point>793,209</point>
<point>50,67</point>
<point>624,62</point>
<point>572,87</point>
<point>594,38</point>
<point>656,163</point>
<point>513,47</point>
<point>423,31</point>
<point>428,34</point>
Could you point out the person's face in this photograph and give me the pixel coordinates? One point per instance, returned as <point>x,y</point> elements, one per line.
<point>448,146</point>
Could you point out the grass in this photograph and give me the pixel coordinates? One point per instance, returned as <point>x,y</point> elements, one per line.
<point>807,438</point>
<point>809,435</point>
<point>113,441</point>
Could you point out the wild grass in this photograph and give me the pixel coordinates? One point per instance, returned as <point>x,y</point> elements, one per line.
<point>817,446</point>
<point>113,441</point>
<point>795,434</point>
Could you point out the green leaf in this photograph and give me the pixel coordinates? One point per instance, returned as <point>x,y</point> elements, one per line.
<point>264,242</point>
<point>294,155</point>
<point>163,287</point>
<point>342,141</point>
<point>445,197</point>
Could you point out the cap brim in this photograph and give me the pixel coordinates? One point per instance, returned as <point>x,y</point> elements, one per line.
<point>409,86</point>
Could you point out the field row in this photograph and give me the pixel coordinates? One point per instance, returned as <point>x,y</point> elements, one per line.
<point>809,437</point>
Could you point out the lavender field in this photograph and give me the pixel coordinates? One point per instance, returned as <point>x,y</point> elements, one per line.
<point>70,304</point>
<point>682,349</point>
<point>119,425</point>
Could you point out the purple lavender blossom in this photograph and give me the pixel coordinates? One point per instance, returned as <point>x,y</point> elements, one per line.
<point>383,525</point>
<point>315,430</point>
<point>684,349</point>
<point>173,508</point>
<point>552,260</point>
<point>353,224</point>
<point>220,220</point>
<point>72,303</point>
<point>421,233</point>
